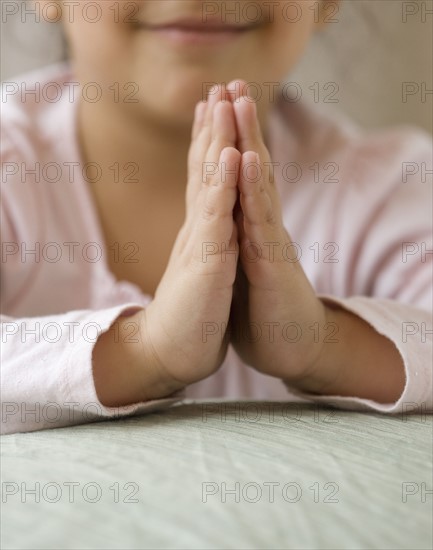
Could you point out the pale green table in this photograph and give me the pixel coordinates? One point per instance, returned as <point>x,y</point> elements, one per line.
<point>202,476</point>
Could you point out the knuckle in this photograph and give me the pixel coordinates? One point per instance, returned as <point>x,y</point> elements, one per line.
<point>209,212</point>
<point>270,218</point>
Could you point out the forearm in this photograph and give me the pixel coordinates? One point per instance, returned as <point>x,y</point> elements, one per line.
<point>124,370</point>
<point>361,363</point>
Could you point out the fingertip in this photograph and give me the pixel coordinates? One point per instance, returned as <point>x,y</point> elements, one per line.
<point>229,166</point>
<point>241,101</point>
<point>250,173</point>
<point>230,153</point>
<point>213,91</point>
<point>245,110</point>
<point>220,110</point>
<point>245,102</point>
<point>236,83</point>
<point>221,105</point>
<point>236,88</point>
<point>251,157</point>
<point>199,111</point>
<point>218,93</point>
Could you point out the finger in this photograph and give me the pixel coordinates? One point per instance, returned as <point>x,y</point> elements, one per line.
<point>202,135</point>
<point>203,126</point>
<point>261,220</point>
<point>199,145</point>
<point>250,136</point>
<point>199,113</point>
<point>197,138</point>
<point>223,133</point>
<point>215,241</point>
<point>238,217</point>
<point>236,89</point>
<point>223,123</point>
<point>233,242</point>
<point>216,220</point>
<point>216,94</point>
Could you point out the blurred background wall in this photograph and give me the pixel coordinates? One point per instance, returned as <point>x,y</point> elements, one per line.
<point>373,60</point>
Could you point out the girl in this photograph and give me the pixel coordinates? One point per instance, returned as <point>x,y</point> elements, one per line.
<point>142,263</point>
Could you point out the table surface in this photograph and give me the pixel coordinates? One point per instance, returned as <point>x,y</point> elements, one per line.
<point>222,475</point>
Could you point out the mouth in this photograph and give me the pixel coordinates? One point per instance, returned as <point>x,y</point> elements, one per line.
<point>193,32</point>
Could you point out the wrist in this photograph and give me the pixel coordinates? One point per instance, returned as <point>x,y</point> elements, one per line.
<point>362,362</point>
<point>328,367</point>
<point>151,374</point>
<point>124,370</point>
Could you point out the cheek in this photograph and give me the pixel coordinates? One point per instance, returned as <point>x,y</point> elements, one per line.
<point>100,50</point>
<point>286,43</point>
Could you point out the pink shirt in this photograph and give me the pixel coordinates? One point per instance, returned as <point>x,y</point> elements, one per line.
<point>357,204</point>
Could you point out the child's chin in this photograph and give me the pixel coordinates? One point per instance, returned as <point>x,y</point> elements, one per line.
<point>170,114</point>
<point>176,103</point>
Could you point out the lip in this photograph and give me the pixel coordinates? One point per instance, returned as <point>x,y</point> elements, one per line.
<point>198,32</point>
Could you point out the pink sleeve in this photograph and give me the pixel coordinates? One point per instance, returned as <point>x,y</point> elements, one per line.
<point>46,371</point>
<point>410,330</point>
<point>385,231</point>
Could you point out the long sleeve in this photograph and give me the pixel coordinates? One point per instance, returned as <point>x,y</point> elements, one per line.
<point>410,329</point>
<point>46,370</point>
<point>368,197</point>
<point>46,373</point>
<point>57,294</point>
<point>382,224</point>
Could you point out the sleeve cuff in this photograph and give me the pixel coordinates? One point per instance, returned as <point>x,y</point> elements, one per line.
<point>84,403</point>
<point>408,328</point>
